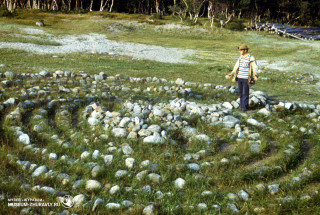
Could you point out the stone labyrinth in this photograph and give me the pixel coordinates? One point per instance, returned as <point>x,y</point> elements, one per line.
<point>151,145</point>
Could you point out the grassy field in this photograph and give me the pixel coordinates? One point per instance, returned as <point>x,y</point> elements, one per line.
<point>292,57</point>
<point>288,156</point>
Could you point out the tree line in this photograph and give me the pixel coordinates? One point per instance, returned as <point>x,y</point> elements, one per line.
<point>296,12</point>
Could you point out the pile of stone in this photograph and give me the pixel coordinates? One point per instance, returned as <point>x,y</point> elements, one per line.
<point>146,121</point>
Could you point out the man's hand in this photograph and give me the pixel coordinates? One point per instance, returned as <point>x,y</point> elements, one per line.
<point>255,78</point>
<point>228,76</point>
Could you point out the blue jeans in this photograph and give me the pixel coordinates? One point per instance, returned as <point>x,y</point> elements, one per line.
<point>243,93</point>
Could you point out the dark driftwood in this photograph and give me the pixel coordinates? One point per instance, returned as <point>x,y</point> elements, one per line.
<point>287,31</point>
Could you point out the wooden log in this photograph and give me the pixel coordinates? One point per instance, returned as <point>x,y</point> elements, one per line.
<point>294,36</point>
<point>287,31</point>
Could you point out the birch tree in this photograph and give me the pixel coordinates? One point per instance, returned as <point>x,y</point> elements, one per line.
<point>35,4</point>
<point>90,6</point>
<point>174,5</point>
<point>211,12</point>
<point>106,5</point>
<point>103,4</point>
<point>157,6</point>
<point>228,18</point>
<point>54,5</point>
<point>111,6</point>
<point>11,5</point>
<point>69,5</point>
<point>193,7</point>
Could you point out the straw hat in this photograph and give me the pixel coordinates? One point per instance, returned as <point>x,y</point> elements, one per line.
<point>243,47</point>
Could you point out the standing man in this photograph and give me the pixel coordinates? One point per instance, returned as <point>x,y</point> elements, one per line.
<point>245,72</point>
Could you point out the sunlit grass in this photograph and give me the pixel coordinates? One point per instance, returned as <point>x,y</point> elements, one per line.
<point>209,67</point>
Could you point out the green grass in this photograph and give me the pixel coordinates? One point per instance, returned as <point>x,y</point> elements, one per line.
<point>212,65</point>
<point>209,67</point>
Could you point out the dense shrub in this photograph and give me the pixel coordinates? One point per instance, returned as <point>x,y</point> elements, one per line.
<point>236,25</point>
<point>6,13</point>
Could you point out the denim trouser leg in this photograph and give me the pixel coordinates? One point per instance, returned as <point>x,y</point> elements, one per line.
<point>243,93</point>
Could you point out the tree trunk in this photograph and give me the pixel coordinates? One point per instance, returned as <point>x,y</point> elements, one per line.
<point>63,6</point>
<point>223,24</point>
<point>157,7</point>
<point>174,5</point>
<point>69,5</point>
<point>191,15</point>
<point>111,6</point>
<point>54,5</point>
<point>77,5</point>
<point>195,19</point>
<point>11,5</point>
<point>91,3</point>
<point>47,5</point>
<point>197,5</point>
<point>103,4</point>
<point>34,4</point>
<point>186,4</point>
<point>28,4</point>
<point>239,15</point>
<point>211,13</point>
<point>257,19</point>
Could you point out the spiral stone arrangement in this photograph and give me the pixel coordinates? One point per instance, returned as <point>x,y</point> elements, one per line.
<point>149,145</point>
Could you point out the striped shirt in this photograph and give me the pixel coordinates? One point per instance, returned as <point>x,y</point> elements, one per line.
<point>244,66</point>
